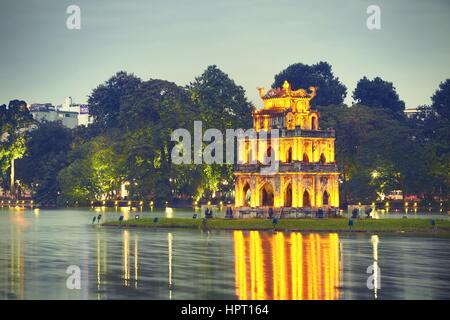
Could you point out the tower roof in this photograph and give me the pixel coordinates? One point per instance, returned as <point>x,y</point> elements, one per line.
<point>285,91</point>
<point>283,98</point>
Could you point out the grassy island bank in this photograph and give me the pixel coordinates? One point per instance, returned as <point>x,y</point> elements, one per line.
<point>335,225</point>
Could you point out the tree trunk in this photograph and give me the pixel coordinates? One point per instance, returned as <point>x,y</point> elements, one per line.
<point>12,178</point>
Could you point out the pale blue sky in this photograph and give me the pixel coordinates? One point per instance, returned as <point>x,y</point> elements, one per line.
<point>251,40</point>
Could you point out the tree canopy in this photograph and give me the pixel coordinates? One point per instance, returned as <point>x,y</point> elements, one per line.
<point>378,149</point>
<point>14,121</point>
<point>378,93</point>
<point>104,101</point>
<point>299,75</point>
<point>441,100</point>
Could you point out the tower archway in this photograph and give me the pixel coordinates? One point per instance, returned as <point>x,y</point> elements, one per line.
<point>306,199</point>
<point>267,195</point>
<point>268,155</point>
<point>288,196</point>
<point>326,198</point>
<point>314,123</point>
<point>305,157</point>
<point>322,159</point>
<point>289,155</point>
<point>247,194</point>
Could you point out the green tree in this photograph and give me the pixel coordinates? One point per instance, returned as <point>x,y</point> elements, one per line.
<point>380,94</point>
<point>220,101</point>
<point>441,100</point>
<point>104,101</point>
<point>432,125</point>
<point>221,104</point>
<point>15,119</point>
<point>330,90</point>
<point>96,168</point>
<point>376,153</point>
<point>149,117</point>
<point>47,148</point>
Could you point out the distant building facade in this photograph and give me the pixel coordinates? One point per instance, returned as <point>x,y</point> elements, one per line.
<point>69,114</point>
<point>411,112</point>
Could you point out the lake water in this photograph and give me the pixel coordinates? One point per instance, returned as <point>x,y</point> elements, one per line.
<point>38,246</point>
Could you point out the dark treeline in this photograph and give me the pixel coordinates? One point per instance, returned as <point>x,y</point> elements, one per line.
<point>378,148</point>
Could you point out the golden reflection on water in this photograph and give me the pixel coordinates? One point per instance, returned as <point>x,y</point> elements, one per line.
<point>126,259</point>
<point>286,266</point>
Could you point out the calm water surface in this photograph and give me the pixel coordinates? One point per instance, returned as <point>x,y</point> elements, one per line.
<point>37,247</point>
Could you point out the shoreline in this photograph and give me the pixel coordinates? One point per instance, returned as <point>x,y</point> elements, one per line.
<point>335,225</point>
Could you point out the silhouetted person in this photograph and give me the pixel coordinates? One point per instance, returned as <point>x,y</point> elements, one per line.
<point>320,213</point>
<point>270,213</point>
<point>229,213</point>
<point>99,217</point>
<point>368,211</point>
<point>93,219</point>
<point>355,213</point>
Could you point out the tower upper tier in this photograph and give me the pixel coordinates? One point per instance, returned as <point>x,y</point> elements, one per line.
<point>285,108</point>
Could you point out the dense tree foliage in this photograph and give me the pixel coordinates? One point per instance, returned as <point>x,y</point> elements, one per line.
<point>14,121</point>
<point>441,100</point>
<point>104,101</point>
<point>223,103</point>
<point>47,148</point>
<point>376,152</point>
<point>299,75</point>
<point>379,94</point>
<point>378,149</point>
<point>136,148</point>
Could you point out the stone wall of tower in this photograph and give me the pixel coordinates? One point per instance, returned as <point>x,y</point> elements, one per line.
<point>314,184</point>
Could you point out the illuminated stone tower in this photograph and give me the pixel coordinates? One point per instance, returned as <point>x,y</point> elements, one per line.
<point>307,176</point>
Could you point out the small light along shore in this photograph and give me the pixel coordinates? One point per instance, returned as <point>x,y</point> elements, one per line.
<point>340,225</point>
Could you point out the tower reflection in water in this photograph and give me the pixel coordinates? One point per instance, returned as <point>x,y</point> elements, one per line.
<point>126,259</point>
<point>286,266</point>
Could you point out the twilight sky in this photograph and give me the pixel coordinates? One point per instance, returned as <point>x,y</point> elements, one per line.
<point>251,40</point>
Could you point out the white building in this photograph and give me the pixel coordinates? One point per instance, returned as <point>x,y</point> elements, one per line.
<point>81,109</point>
<point>410,112</point>
<point>69,114</point>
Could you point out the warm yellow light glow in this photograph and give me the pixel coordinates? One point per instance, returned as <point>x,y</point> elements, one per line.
<point>136,261</point>
<point>126,258</point>
<point>169,242</point>
<point>169,212</point>
<point>286,267</point>
<point>286,188</point>
<point>125,211</point>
